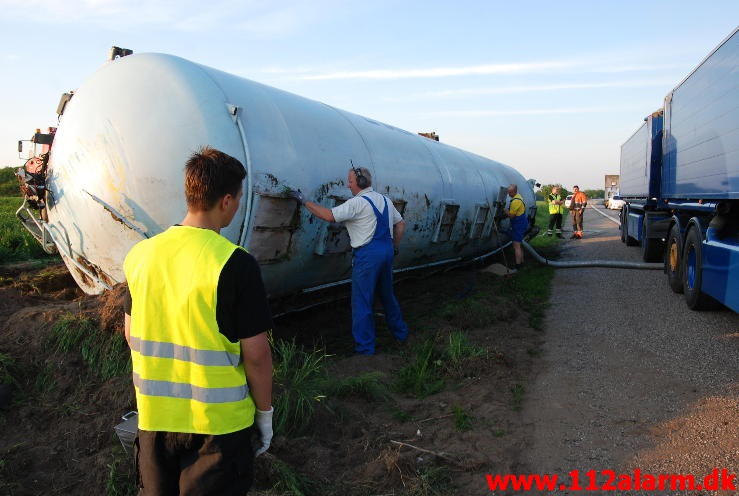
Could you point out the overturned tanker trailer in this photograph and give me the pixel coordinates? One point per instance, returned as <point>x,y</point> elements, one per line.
<point>114,175</point>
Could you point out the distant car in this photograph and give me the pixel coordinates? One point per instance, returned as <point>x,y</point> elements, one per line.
<point>568,200</point>
<point>614,204</point>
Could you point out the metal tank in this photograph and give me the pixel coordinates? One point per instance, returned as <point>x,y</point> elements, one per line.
<point>115,175</point>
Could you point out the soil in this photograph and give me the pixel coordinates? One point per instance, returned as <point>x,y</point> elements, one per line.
<point>57,435</point>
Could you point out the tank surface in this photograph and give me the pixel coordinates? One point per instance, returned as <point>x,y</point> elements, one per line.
<point>116,174</point>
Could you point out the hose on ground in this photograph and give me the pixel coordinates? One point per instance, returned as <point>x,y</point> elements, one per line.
<point>611,264</point>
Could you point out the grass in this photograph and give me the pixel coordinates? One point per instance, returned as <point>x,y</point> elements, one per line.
<point>290,482</point>
<point>530,289</point>
<point>459,348</point>
<point>432,481</point>
<point>106,354</point>
<point>517,392</point>
<point>6,367</point>
<point>16,244</point>
<point>367,386</point>
<point>301,378</point>
<point>121,480</point>
<point>462,419</point>
<point>545,244</point>
<point>421,377</point>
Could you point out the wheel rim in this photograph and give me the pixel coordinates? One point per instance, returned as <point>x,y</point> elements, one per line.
<point>673,256</point>
<point>691,266</point>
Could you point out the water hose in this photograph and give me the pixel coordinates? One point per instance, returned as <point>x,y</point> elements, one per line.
<point>611,264</point>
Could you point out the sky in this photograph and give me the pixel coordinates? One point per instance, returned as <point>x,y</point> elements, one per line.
<point>550,88</point>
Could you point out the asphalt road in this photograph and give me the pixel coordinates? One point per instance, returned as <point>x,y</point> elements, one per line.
<point>630,377</point>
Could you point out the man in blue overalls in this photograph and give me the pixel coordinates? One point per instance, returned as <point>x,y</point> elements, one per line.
<point>375,229</point>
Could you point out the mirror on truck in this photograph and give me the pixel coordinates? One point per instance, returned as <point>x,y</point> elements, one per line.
<point>20,146</point>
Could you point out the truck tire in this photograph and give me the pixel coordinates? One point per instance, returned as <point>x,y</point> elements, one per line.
<point>673,259</point>
<point>651,248</point>
<point>693,273</point>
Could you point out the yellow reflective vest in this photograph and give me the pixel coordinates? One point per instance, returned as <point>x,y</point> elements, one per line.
<point>188,376</point>
<point>555,209</point>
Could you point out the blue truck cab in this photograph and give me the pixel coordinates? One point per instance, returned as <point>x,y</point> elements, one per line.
<point>680,181</point>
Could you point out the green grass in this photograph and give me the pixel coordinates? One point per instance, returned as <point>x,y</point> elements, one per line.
<point>542,243</point>
<point>6,367</point>
<point>16,244</point>
<point>121,480</point>
<point>367,386</point>
<point>290,482</point>
<point>459,348</point>
<point>517,392</point>
<point>432,481</point>
<point>300,377</point>
<point>462,419</point>
<point>106,354</point>
<point>8,182</point>
<point>421,377</point>
<point>530,289</point>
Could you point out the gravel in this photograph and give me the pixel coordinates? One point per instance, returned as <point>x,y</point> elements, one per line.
<point>630,377</point>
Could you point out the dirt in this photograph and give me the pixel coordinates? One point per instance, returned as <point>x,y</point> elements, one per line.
<point>58,433</point>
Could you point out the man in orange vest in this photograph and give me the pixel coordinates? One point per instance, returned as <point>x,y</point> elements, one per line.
<point>577,209</point>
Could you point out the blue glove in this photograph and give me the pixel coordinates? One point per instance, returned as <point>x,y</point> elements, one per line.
<point>297,195</point>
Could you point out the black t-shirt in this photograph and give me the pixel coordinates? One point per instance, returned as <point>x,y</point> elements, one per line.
<point>242,310</point>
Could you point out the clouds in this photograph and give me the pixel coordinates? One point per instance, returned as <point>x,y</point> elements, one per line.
<point>246,17</point>
<point>437,72</point>
<point>509,90</point>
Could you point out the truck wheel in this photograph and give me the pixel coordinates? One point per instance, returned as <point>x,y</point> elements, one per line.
<point>625,231</point>
<point>673,260</point>
<point>693,273</point>
<point>651,248</point>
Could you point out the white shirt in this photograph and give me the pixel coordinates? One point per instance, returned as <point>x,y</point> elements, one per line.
<point>359,218</point>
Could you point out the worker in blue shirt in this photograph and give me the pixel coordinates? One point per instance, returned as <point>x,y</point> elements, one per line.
<point>375,229</point>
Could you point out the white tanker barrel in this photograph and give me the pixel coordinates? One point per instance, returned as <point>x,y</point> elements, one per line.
<point>117,167</point>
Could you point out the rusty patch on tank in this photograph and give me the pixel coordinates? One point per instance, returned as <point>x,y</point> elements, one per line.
<point>95,270</point>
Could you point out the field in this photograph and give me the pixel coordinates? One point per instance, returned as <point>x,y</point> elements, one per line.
<point>425,419</point>
<point>16,244</point>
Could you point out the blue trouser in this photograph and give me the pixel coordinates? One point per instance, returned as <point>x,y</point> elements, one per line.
<point>373,272</point>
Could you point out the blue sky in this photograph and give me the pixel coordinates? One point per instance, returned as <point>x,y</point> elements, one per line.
<point>550,88</point>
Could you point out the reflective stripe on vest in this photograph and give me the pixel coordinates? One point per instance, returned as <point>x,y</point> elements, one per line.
<point>188,376</point>
<point>185,353</point>
<point>188,391</point>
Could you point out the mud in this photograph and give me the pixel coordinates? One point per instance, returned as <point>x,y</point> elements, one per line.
<point>57,436</point>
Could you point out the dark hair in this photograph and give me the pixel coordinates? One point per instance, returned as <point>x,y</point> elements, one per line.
<point>210,175</point>
<point>576,186</point>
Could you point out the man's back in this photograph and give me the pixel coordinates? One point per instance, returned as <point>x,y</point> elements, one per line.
<point>182,364</point>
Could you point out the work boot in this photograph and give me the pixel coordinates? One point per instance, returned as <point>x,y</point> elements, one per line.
<point>549,233</point>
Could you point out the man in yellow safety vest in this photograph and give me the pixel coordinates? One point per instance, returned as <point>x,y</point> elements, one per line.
<point>196,322</point>
<point>556,210</point>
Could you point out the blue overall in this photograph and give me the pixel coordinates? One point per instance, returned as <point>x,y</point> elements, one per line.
<point>519,225</point>
<point>373,272</point>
